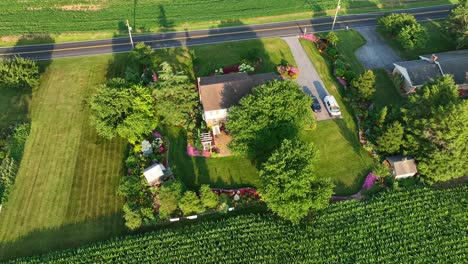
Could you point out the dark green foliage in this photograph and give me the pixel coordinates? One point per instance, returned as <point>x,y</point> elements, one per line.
<point>412,37</point>
<point>391,140</point>
<point>18,72</point>
<point>411,226</point>
<point>9,164</point>
<point>364,85</point>
<point>208,198</point>
<point>175,96</point>
<point>8,170</point>
<point>190,203</point>
<point>261,121</point>
<point>127,112</point>
<point>169,197</point>
<point>393,23</point>
<point>435,130</point>
<point>404,28</point>
<point>291,188</point>
<point>333,38</point>
<point>458,23</point>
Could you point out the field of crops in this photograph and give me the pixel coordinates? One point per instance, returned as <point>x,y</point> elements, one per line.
<point>418,226</point>
<point>58,16</point>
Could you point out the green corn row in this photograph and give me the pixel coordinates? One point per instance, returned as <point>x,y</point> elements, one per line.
<point>416,226</point>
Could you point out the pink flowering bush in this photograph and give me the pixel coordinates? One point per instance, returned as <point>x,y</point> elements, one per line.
<point>288,71</point>
<point>310,37</point>
<point>371,179</point>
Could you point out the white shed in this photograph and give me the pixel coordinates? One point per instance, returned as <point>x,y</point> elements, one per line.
<point>402,167</point>
<point>154,173</point>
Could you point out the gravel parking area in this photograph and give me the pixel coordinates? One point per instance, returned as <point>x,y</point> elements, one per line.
<point>375,53</point>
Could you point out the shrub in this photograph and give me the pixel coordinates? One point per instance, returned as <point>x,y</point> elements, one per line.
<point>244,67</point>
<point>364,85</point>
<point>208,198</point>
<point>393,23</point>
<point>333,38</point>
<point>190,203</point>
<point>412,36</point>
<point>18,73</point>
<point>8,170</point>
<point>146,148</point>
<point>169,197</point>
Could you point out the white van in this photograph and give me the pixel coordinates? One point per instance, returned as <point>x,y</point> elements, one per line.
<point>331,105</point>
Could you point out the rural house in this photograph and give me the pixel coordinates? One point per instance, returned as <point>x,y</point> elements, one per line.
<point>416,73</point>
<point>218,93</point>
<point>402,167</point>
<point>154,174</point>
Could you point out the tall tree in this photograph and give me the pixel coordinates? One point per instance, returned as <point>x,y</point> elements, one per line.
<point>458,23</point>
<point>391,140</point>
<point>412,36</point>
<point>175,96</point>
<point>127,112</point>
<point>291,188</point>
<point>273,112</point>
<point>393,23</point>
<point>435,130</point>
<point>169,197</point>
<point>18,72</point>
<point>364,85</point>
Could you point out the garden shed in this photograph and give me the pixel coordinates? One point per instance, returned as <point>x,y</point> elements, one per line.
<point>154,173</point>
<point>402,166</point>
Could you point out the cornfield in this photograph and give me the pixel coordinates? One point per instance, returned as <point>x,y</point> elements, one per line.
<point>59,16</point>
<point>416,226</point>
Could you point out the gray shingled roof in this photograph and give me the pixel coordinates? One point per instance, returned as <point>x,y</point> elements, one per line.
<point>453,62</point>
<point>223,91</point>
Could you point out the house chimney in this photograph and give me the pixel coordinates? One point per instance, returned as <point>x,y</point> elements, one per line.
<point>434,58</point>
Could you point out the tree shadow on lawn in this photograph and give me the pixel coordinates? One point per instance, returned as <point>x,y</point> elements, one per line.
<point>342,188</point>
<point>233,50</point>
<point>64,237</point>
<point>14,102</point>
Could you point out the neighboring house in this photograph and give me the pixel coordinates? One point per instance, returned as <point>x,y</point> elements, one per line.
<point>416,73</point>
<point>154,174</point>
<point>218,93</point>
<point>402,167</point>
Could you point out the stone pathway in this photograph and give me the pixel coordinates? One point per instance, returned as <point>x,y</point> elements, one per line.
<point>375,53</point>
<point>308,78</point>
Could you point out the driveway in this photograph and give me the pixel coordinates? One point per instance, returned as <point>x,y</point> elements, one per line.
<point>375,53</point>
<point>308,79</point>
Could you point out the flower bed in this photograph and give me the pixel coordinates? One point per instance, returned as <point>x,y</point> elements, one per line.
<point>239,197</point>
<point>288,71</point>
<point>310,37</point>
<point>193,151</point>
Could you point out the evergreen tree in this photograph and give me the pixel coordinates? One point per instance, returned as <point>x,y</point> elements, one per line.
<point>364,85</point>
<point>190,203</point>
<point>208,198</point>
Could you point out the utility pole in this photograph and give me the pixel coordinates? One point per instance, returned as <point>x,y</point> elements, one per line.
<point>336,14</point>
<point>130,33</point>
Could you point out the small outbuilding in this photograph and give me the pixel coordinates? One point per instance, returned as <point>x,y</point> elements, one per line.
<point>155,173</point>
<point>402,166</point>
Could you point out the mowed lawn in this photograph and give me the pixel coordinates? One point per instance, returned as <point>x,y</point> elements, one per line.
<point>272,51</point>
<point>225,172</point>
<point>439,40</point>
<point>341,156</point>
<point>65,191</point>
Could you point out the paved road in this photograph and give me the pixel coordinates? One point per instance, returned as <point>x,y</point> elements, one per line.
<point>308,78</point>
<point>199,37</point>
<point>375,53</point>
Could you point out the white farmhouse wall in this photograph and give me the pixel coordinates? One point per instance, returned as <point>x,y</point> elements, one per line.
<point>216,115</point>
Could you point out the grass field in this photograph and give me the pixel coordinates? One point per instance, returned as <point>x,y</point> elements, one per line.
<point>386,93</point>
<point>226,172</point>
<point>272,51</point>
<point>91,19</point>
<point>65,191</point>
<point>342,157</point>
<point>14,105</point>
<point>439,41</point>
